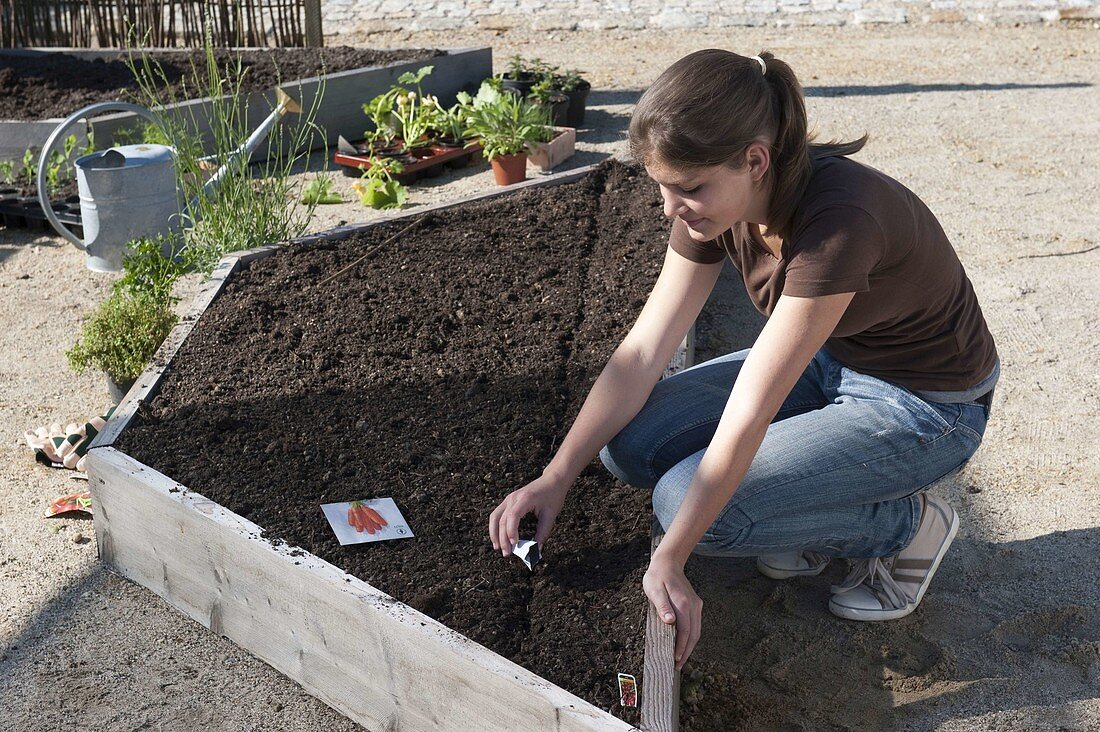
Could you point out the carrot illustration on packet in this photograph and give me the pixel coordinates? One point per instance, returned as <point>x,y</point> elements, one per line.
<point>364,518</point>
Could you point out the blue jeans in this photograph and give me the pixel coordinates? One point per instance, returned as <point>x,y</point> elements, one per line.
<point>839,471</point>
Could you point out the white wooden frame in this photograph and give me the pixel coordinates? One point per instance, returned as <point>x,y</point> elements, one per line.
<point>376,660</point>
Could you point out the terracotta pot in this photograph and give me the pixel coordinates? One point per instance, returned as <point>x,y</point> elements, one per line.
<point>509,169</point>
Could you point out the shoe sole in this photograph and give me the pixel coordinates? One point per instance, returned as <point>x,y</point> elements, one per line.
<point>851,613</point>
<point>781,574</point>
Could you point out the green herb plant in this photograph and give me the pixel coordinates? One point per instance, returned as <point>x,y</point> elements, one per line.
<point>570,80</point>
<point>505,123</point>
<point>122,335</point>
<point>521,69</point>
<point>380,111</point>
<point>7,172</point>
<point>402,112</point>
<point>320,191</point>
<point>27,172</point>
<point>58,164</point>
<point>378,188</point>
<point>151,267</point>
<point>449,125</point>
<point>253,204</point>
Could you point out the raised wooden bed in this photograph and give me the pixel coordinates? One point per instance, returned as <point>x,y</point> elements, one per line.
<point>377,660</point>
<point>340,110</point>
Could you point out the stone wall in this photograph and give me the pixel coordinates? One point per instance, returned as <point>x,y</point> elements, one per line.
<point>379,15</point>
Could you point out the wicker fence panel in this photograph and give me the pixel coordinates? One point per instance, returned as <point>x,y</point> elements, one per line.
<point>158,23</point>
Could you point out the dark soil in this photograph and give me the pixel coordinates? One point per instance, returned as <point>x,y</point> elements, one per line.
<point>442,371</point>
<point>56,85</point>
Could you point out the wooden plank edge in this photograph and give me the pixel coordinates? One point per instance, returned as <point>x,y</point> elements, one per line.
<point>660,679</point>
<point>343,232</point>
<point>570,711</point>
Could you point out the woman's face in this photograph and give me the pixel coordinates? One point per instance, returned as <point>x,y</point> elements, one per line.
<point>710,200</point>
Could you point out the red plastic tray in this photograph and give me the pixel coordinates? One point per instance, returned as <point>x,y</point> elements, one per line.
<point>425,161</point>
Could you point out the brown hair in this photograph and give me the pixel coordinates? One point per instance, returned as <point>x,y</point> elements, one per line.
<point>708,107</point>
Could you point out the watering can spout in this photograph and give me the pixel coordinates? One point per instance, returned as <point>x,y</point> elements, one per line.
<point>284,105</point>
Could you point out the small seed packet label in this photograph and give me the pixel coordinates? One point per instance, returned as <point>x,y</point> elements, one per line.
<point>528,552</point>
<point>359,522</point>
<point>628,690</point>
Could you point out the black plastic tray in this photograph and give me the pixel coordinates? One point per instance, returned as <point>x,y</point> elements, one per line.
<point>25,212</point>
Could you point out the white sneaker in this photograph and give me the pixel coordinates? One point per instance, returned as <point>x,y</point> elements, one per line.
<point>791,564</point>
<point>891,587</point>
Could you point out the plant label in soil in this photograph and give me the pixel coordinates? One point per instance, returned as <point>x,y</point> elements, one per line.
<point>628,690</point>
<point>528,553</point>
<point>359,522</point>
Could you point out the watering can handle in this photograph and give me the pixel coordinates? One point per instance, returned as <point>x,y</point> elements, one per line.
<point>43,160</point>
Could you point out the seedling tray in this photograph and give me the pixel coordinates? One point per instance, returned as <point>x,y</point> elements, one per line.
<point>25,212</point>
<point>375,659</point>
<point>426,162</point>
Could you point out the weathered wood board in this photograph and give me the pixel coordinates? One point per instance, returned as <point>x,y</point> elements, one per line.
<point>660,679</point>
<point>374,659</point>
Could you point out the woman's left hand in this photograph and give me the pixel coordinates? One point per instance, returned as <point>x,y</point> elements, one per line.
<point>668,589</point>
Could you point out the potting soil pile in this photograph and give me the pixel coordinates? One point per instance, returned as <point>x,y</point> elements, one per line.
<point>442,371</point>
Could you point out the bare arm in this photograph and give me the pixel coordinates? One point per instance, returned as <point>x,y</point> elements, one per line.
<point>616,397</point>
<point>623,386</point>
<point>797,328</point>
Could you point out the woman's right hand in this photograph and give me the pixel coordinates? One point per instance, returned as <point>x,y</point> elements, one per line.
<point>543,496</point>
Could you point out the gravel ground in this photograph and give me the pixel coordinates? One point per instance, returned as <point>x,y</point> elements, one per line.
<point>995,127</point>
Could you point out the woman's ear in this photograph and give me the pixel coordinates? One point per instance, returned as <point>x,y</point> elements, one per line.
<point>759,158</point>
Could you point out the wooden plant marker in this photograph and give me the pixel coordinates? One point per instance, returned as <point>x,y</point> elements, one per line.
<point>660,679</point>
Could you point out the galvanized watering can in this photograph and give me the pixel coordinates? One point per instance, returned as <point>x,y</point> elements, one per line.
<point>130,191</point>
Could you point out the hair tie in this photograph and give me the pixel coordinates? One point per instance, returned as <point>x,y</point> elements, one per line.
<point>763,66</point>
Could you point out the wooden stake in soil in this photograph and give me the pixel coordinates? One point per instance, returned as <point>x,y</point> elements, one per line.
<point>660,679</point>
<point>372,250</point>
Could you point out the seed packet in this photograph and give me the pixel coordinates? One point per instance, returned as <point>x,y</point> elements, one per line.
<point>74,505</point>
<point>628,690</point>
<point>359,522</point>
<point>528,553</point>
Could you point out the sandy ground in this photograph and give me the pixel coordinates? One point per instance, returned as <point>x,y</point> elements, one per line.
<point>996,128</point>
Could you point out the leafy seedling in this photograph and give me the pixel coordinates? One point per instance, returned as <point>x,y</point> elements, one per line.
<point>320,191</point>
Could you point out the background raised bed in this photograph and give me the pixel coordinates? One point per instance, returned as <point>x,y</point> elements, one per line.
<point>346,86</point>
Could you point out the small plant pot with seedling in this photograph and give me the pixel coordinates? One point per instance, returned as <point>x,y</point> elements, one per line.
<point>506,125</point>
<point>378,188</point>
<point>522,75</point>
<point>559,148</point>
<point>576,89</point>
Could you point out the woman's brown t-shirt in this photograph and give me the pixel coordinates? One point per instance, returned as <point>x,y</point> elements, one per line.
<point>914,320</point>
